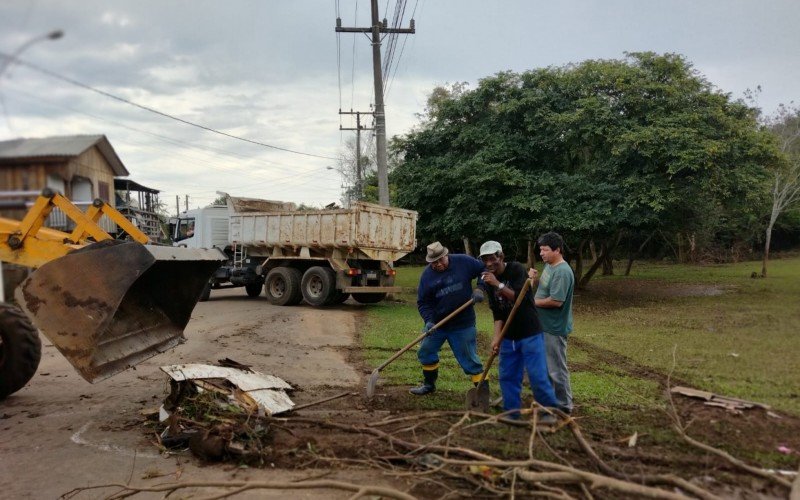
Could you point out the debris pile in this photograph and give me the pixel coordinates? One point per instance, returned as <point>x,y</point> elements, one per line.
<point>734,405</point>
<point>221,412</point>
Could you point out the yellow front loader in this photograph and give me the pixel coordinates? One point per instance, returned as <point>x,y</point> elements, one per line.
<point>105,304</point>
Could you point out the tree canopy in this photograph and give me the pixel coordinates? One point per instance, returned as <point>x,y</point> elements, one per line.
<point>591,150</point>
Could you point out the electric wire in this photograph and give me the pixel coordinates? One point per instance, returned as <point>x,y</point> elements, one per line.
<point>353,69</point>
<point>170,140</point>
<point>402,50</point>
<point>213,165</point>
<point>155,111</point>
<point>339,62</point>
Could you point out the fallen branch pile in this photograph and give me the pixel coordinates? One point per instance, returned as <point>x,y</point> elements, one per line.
<point>451,455</point>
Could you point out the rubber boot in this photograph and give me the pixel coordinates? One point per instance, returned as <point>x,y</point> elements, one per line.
<point>428,384</point>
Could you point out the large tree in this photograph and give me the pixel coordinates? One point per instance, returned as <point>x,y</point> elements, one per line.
<point>596,150</point>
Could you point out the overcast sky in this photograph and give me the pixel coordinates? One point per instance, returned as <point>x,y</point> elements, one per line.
<point>270,72</point>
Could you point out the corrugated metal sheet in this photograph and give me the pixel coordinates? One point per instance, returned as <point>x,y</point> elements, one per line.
<point>62,146</point>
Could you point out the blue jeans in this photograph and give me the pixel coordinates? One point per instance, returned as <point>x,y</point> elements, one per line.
<point>463,342</point>
<point>518,356</point>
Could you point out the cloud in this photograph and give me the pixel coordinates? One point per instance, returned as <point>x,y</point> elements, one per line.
<point>116,19</point>
<point>271,72</point>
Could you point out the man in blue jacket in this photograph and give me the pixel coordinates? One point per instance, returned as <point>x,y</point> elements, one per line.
<point>445,285</point>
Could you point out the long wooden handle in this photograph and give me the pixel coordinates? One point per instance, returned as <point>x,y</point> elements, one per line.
<point>418,339</point>
<point>510,318</point>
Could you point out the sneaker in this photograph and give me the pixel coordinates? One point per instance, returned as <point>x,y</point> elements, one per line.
<point>422,390</point>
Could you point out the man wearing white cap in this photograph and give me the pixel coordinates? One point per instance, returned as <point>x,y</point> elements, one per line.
<point>522,349</point>
<point>444,286</point>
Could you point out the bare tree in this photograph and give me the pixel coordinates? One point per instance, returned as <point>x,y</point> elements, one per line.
<point>354,173</point>
<point>785,124</point>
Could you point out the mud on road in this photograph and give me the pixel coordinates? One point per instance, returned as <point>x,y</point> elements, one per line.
<point>60,432</point>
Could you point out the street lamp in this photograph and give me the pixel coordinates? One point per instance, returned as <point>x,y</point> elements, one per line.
<point>53,35</point>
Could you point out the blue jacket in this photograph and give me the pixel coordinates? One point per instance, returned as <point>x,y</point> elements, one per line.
<point>439,294</point>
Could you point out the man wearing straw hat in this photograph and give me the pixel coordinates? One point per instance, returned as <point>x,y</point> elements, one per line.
<point>444,286</point>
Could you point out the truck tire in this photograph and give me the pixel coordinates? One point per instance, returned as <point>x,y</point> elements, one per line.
<point>253,289</point>
<point>339,297</point>
<point>20,350</point>
<point>282,286</point>
<point>318,285</point>
<point>369,298</point>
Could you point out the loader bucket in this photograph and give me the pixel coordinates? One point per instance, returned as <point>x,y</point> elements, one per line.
<point>111,305</point>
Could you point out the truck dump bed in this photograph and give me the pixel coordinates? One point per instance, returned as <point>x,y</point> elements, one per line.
<point>365,230</point>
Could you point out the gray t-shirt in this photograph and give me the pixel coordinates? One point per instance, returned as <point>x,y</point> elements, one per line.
<point>557,282</point>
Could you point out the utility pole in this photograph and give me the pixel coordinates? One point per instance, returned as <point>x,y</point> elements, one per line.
<point>380,116</point>
<point>358,129</point>
<point>177,205</point>
<point>187,202</point>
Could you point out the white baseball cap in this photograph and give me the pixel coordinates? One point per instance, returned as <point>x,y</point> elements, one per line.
<point>490,248</point>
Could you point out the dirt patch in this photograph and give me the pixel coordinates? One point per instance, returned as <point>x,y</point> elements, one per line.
<point>642,289</point>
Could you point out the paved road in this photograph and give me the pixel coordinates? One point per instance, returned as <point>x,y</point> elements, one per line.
<point>61,432</point>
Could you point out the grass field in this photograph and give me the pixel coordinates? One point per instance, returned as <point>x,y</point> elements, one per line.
<point>729,333</point>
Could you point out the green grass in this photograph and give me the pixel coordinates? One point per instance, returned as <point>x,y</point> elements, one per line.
<point>743,342</point>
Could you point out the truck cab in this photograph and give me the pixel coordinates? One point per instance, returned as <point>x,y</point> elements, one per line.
<point>207,227</point>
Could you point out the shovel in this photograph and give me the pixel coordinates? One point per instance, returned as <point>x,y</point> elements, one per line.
<point>478,398</point>
<point>373,378</point>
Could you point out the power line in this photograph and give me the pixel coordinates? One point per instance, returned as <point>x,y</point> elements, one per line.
<point>155,111</point>
<point>170,140</point>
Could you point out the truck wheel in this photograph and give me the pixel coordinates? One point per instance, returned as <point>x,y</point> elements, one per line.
<point>318,285</point>
<point>206,294</point>
<point>369,298</point>
<point>339,297</point>
<point>283,286</point>
<point>20,350</point>
<point>253,289</point>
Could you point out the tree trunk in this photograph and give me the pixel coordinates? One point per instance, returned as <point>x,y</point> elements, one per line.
<point>632,255</point>
<point>467,249</point>
<point>679,237</point>
<point>605,252</point>
<point>579,260</point>
<point>592,250</point>
<point>608,264</point>
<point>531,253</point>
<point>766,248</point>
<point>595,266</point>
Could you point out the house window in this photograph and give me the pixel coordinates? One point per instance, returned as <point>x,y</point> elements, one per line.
<point>103,191</point>
<point>81,189</point>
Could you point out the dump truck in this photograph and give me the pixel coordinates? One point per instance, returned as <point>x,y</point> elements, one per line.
<point>320,256</point>
<point>105,304</point>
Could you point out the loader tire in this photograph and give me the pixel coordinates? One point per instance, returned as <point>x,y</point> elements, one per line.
<point>206,293</point>
<point>282,286</point>
<point>369,298</point>
<point>253,289</point>
<point>20,350</point>
<point>318,285</point>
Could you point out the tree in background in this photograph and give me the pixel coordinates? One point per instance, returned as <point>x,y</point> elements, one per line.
<point>606,150</point>
<point>785,125</point>
<point>355,174</point>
